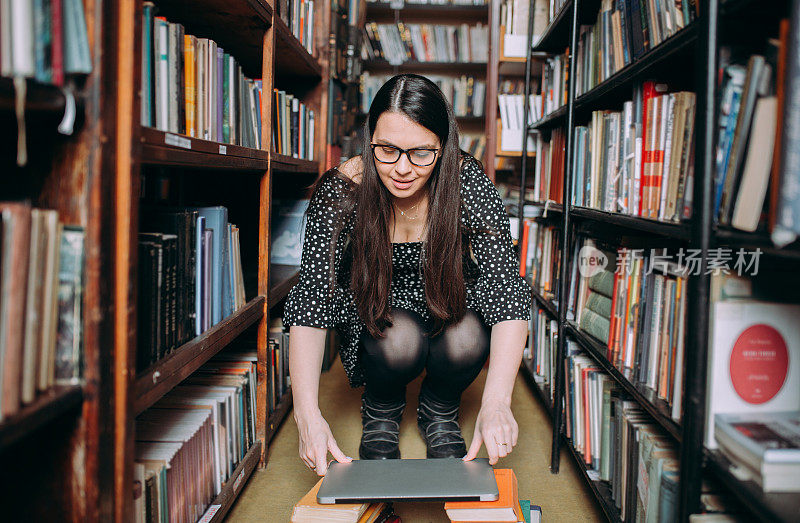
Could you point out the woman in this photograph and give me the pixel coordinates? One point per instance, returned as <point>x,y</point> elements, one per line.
<point>408,253</point>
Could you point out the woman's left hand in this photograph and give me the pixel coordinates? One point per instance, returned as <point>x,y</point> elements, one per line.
<point>496,428</point>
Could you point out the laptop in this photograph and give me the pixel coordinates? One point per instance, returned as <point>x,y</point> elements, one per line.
<point>449,479</point>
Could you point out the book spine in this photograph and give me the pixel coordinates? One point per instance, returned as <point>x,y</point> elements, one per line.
<point>189,84</point>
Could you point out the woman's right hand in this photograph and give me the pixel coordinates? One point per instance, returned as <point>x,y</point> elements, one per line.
<point>316,439</point>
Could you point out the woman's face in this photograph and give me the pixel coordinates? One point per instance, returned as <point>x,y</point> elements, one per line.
<point>403,178</point>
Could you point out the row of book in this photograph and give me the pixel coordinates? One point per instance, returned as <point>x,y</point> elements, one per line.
<point>309,510</point>
<point>402,42</point>
<point>44,40</point>
<point>541,245</point>
<point>554,8</point>
<point>626,450</point>
<point>191,86</point>
<point>541,350</point>
<point>300,20</point>
<point>637,307</point>
<point>514,15</point>
<point>41,303</point>
<point>511,107</point>
<point>474,145</point>
<point>554,83</point>
<point>191,441</point>
<point>639,161</point>
<point>293,126</point>
<point>190,277</point>
<point>745,159</point>
<point>346,48</point>
<point>466,94</point>
<point>436,2</point>
<point>624,30</point>
<point>278,380</point>
<point>548,174</point>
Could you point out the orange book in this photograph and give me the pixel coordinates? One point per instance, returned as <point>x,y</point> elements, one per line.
<point>524,248</point>
<point>506,508</point>
<point>307,509</point>
<point>190,84</point>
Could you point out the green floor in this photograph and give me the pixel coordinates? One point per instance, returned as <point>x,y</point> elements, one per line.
<point>271,493</point>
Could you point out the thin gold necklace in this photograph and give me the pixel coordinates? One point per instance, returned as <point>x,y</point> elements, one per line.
<point>405,213</point>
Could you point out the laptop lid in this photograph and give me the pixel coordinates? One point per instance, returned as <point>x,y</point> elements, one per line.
<point>449,479</point>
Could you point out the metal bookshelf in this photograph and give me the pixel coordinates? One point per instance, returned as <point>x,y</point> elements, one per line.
<point>697,44</point>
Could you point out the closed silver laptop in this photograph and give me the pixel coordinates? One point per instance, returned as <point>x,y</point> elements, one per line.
<point>449,479</point>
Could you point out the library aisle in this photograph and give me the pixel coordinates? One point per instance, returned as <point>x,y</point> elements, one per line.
<point>271,492</point>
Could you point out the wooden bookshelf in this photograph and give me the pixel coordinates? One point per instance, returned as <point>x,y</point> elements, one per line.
<point>48,406</point>
<point>281,280</point>
<point>170,149</point>
<point>541,390</point>
<point>291,58</point>
<point>283,163</point>
<point>280,414</point>
<point>222,504</point>
<point>152,384</point>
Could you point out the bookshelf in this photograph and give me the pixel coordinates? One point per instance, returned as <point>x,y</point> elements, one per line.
<point>687,60</point>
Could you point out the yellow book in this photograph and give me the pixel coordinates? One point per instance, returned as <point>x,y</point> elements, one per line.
<point>189,45</point>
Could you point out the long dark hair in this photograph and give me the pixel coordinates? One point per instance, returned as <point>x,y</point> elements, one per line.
<point>422,101</point>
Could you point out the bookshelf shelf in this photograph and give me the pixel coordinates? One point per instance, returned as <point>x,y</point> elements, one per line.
<point>656,407</point>
<point>40,99</point>
<point>237,26</point>
<point>541,390</point>
<point>679,231</point>
<point>600,489</point>
<point>546,304</point>
<point>48,406</point>
<point>291,58</point>
<point>283,163</point>
<point>278,415</point>
<point>385,10</point>
<point>556,35</point>
<point>553,119</point>
<point>281,280</point>
<point>617,87</point>
<point>163,148</point>
<point>413,66</point>
<point>231,489</point>
<point>155,382</point>
<point>767,507</point>
<point>552,207</point>
<point>736,239</point>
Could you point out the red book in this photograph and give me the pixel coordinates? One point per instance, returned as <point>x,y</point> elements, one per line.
<point>649,90</point>
<point>57,50</point>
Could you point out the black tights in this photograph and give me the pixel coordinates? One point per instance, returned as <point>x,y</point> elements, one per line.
<point>452,359</point>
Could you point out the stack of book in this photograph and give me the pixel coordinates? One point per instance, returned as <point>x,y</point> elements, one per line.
<point>191,86</point>
<point>292,126</point>
<point>639,161</point>
<point>508,506</point>
<point>549,167</point>
<point>44,40</point>
<point>190,442</point>
<point>467,94</point>
<point>308,510</point>
<point>764,447</point>
<point>540,351</point>
<point>554,83</point>
<point>190,277</point>
<point>747,140</point>
<point>41,289</point>
<point>619,443</point>
<point>624,31</point>
<point>398,43</point>
<point>278,379</point>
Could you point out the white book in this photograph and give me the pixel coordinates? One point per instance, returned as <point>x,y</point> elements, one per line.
<point>172,77</point>
<point>752,360</point>
<point>311,135</point>
<point>668,121</point>
<point>161,70</point>
<point>23,62</point>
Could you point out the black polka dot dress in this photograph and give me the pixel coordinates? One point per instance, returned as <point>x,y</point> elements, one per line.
<point>494,288</point>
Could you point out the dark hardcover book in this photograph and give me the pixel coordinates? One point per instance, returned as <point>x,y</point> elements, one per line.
<point>163,297</point>
<point>295,126</point>
<point>643,340</point>
<point>147,306</point>
<point>632,459</point>
<point>644,22</point>
<point>170,223</point>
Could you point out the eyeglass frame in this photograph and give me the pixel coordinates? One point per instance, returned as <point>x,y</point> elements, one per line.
<point>406,152</point>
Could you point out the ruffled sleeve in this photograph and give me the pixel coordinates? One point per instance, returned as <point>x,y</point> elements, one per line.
<point>500,293</point>
<point>315,301</point>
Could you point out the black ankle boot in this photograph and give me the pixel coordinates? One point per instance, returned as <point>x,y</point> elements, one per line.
<point>438,424</point>
<point>381,429</point>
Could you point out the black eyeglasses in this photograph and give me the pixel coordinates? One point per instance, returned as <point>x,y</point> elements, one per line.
<point>419,156</point>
